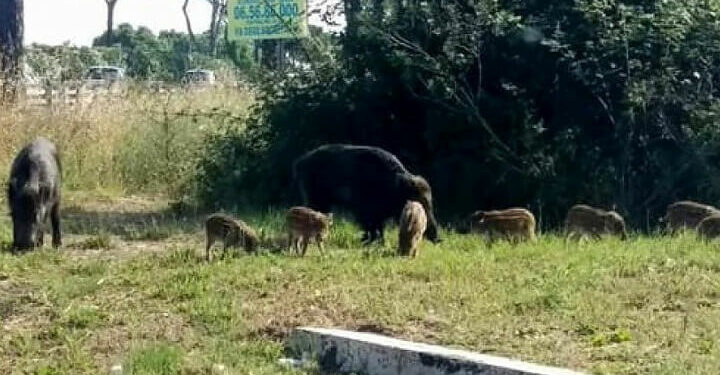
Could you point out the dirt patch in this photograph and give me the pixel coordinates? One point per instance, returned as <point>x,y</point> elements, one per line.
<point>73,202</point>
<point>290,308</point>
<point>21,307</point>
<point>111,344</point>
<point>105,227</point>
<point>125,249</point>
<point>279,327</point>
<point>374,328</point>
<point>23,314</point>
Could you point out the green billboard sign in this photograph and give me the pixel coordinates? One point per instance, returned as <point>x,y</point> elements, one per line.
<point>267,19</point>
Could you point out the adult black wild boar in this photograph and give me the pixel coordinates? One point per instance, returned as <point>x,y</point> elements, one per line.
<point>687,214</point>
<point>34,194</point>
<point>369,182</point>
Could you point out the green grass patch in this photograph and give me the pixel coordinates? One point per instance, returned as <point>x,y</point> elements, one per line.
<point>158,359</point>
<point>648,305</point>
<point>95,242</point>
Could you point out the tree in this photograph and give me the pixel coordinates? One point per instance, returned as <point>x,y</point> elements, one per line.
<point>502,103</point>
<point>11,47</point>
<point>351,10</point>
<point>110,14</point>
<point>165,56</point>
<point>218,11</point>
<point>187,21</point>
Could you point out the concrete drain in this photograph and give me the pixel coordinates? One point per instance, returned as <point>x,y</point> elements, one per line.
<point>341,352</point>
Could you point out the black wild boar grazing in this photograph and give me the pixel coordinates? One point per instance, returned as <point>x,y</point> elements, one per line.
<point>582,219</point>
<point>687,215</point>
<point>34,194</point>
<point>369,182</point>
<point>709,227</point>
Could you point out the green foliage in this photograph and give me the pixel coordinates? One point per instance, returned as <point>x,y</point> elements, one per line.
<point>615,337</point>
<point>647,305</point>
<point>160,154</point>
<point>82,318</point>
<point>168,55</point>
<point>222,163</point>
<point>160,359</point>
<point>64,63</point>
<point>143,142</point>
<point>509,103</point>
<point>144,55</point>
<point>99,241</point>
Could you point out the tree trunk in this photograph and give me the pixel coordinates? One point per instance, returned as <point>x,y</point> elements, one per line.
<point>378,11</point>
<point>214,16</point>
<point>110,15</point>
<point>352,10</point>
<point>219,8</point>
<point>269,53</point>
<point>11,48</point>
<point>187,21</point>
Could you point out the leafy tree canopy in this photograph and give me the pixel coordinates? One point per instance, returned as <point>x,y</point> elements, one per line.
<point>503,103</point>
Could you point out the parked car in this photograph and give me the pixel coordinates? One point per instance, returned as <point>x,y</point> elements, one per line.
<point>198,77</point>
<point>103,76</point>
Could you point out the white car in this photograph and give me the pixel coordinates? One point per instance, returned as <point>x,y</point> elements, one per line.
<point>103,76</point>
<point>199,77</point>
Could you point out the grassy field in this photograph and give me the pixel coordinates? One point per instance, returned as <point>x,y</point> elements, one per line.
<point>143,141</point>
<point>131,287</point>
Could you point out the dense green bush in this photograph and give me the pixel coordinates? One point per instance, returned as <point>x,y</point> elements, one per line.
<point>145,55</point>
<point>63,63</point>
<point>169,54</point>
<point>508,103</point>
<point>224,162</point>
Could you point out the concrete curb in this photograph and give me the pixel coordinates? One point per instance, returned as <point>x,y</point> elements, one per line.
<point>339,351</point>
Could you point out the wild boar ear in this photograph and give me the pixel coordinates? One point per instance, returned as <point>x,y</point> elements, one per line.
<point>420,184</point>
<point>330,218</point>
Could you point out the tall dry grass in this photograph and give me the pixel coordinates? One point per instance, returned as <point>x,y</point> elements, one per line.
<point>138,142</point>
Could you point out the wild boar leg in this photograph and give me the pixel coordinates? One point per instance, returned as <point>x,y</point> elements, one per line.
<point>55,222</point>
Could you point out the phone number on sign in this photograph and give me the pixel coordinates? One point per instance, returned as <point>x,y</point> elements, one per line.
<point>262,30</point>
<point>263,11</point>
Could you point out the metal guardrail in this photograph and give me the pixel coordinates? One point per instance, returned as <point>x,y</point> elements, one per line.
<point>87,92</point>
<point>67,94</point>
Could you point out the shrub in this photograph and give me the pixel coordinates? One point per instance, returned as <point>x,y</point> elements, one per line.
<point>143,142</point>
<point>539,104</point>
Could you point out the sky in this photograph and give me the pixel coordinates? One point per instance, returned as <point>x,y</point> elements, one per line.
<point>79,21</point>
<point>54,22</point>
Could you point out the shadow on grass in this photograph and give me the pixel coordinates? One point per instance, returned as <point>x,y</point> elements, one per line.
<point>132,225</point>
<point>159,224</point>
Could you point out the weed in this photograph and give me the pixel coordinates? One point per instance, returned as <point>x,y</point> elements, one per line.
<point>157,359</point>
<point>152,232</point>
<point>146,142</point>
<point>98,241</point>
<point>83,317</point>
